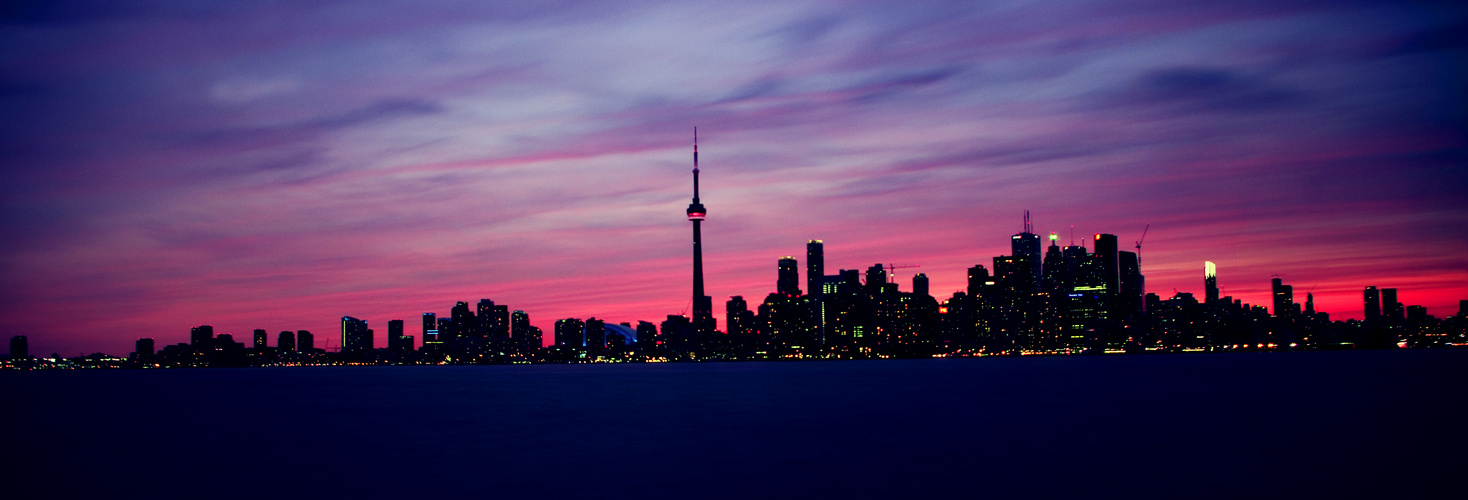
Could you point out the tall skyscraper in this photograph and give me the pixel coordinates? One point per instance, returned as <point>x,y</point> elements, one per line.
<point>1109,262</point>
<point>1132,285</point>
<point>286,342</point>
<point>735,311</point>
<point>815,266</point>
<point>19,347</point>
<point>395,335</point>
<point>920,285</point>
<point>788,280</point>
<point>1025,247</point>
<point>259,339</point>
<point>1054,277</point>
<point>355,335</point>
<point>596,336</point>
<point>1391,309</point>
<point>520,331</point>
<point>499,336</point>
<point>430,330</point>
<point>464,324</point>
<point>1373,304</point>
<point>1210,282</point>
<point>703,305</point>
<point>305,342</point>
<point>485,328</point>
<point>1284,298</point>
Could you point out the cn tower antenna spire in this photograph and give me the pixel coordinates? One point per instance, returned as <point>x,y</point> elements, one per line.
<point>695,164</point>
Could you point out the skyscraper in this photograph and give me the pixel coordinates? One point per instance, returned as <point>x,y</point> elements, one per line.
<point>1391,309</point>
<point>735,311</point>
<point>596,336</point>
<point>568,333</point>
<point>977,277</point>
<point>305,342</point>
<point>259,339</point>
<point>19,347</point>
<point>1373,304</point>
<point>355,335</point>
<point>520,332</point>
<point>430,330</point>
<point>201,336</point>
<point>286,342</point>
<point>1109,263</point>
<point>1132,285</point>
<point>395,335</point>
<point>144,349</point>
<point>499,337</point>
<point>920,285</point>
<point>1210,282</point>
<point>1025,247</point>
<point>815,266</point>
<point>876,279</point>
<point>1284,298</point>
<point>464,322</point>
<point>485,327</point>
<point>788,280</point>
<point>703,305</point>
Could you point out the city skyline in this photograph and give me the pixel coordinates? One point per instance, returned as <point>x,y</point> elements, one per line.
<point>178,167</point>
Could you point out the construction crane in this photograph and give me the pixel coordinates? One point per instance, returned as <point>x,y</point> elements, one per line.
<point>1139,244</point>
<point>893,276</point>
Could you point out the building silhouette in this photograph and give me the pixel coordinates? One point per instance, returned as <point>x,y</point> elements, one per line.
<point>1372,300</point>
<point>1210,282</point>
<point>305,342</point>
<point>568,332</point>
<point>815,266</point>
<point>788,280</point>
<point>201,337</point>
<point>430,330</point>
<point>143,349</point>
<point>395,335</point>
<point>19,347</point>
<point>356,337</point>
<point>1391,309</point>
<point>703,305</point>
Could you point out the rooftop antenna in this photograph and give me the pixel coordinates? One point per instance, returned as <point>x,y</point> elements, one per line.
<point>1072,235</point>
<point>1028,227</point>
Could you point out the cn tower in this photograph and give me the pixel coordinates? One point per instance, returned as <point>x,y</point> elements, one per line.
<point>703,314</point>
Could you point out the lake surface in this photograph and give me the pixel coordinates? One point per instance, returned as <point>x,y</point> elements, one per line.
<point>1323,424</point>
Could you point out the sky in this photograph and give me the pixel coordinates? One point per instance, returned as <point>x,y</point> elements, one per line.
<point>279,165</point>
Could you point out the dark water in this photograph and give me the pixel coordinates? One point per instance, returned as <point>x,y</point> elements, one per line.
<point>1322,424</point>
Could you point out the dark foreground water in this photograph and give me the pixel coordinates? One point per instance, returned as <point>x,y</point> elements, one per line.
<point>1319,424</point>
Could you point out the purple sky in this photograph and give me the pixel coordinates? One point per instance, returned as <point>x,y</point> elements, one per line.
<point>278,165</point>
